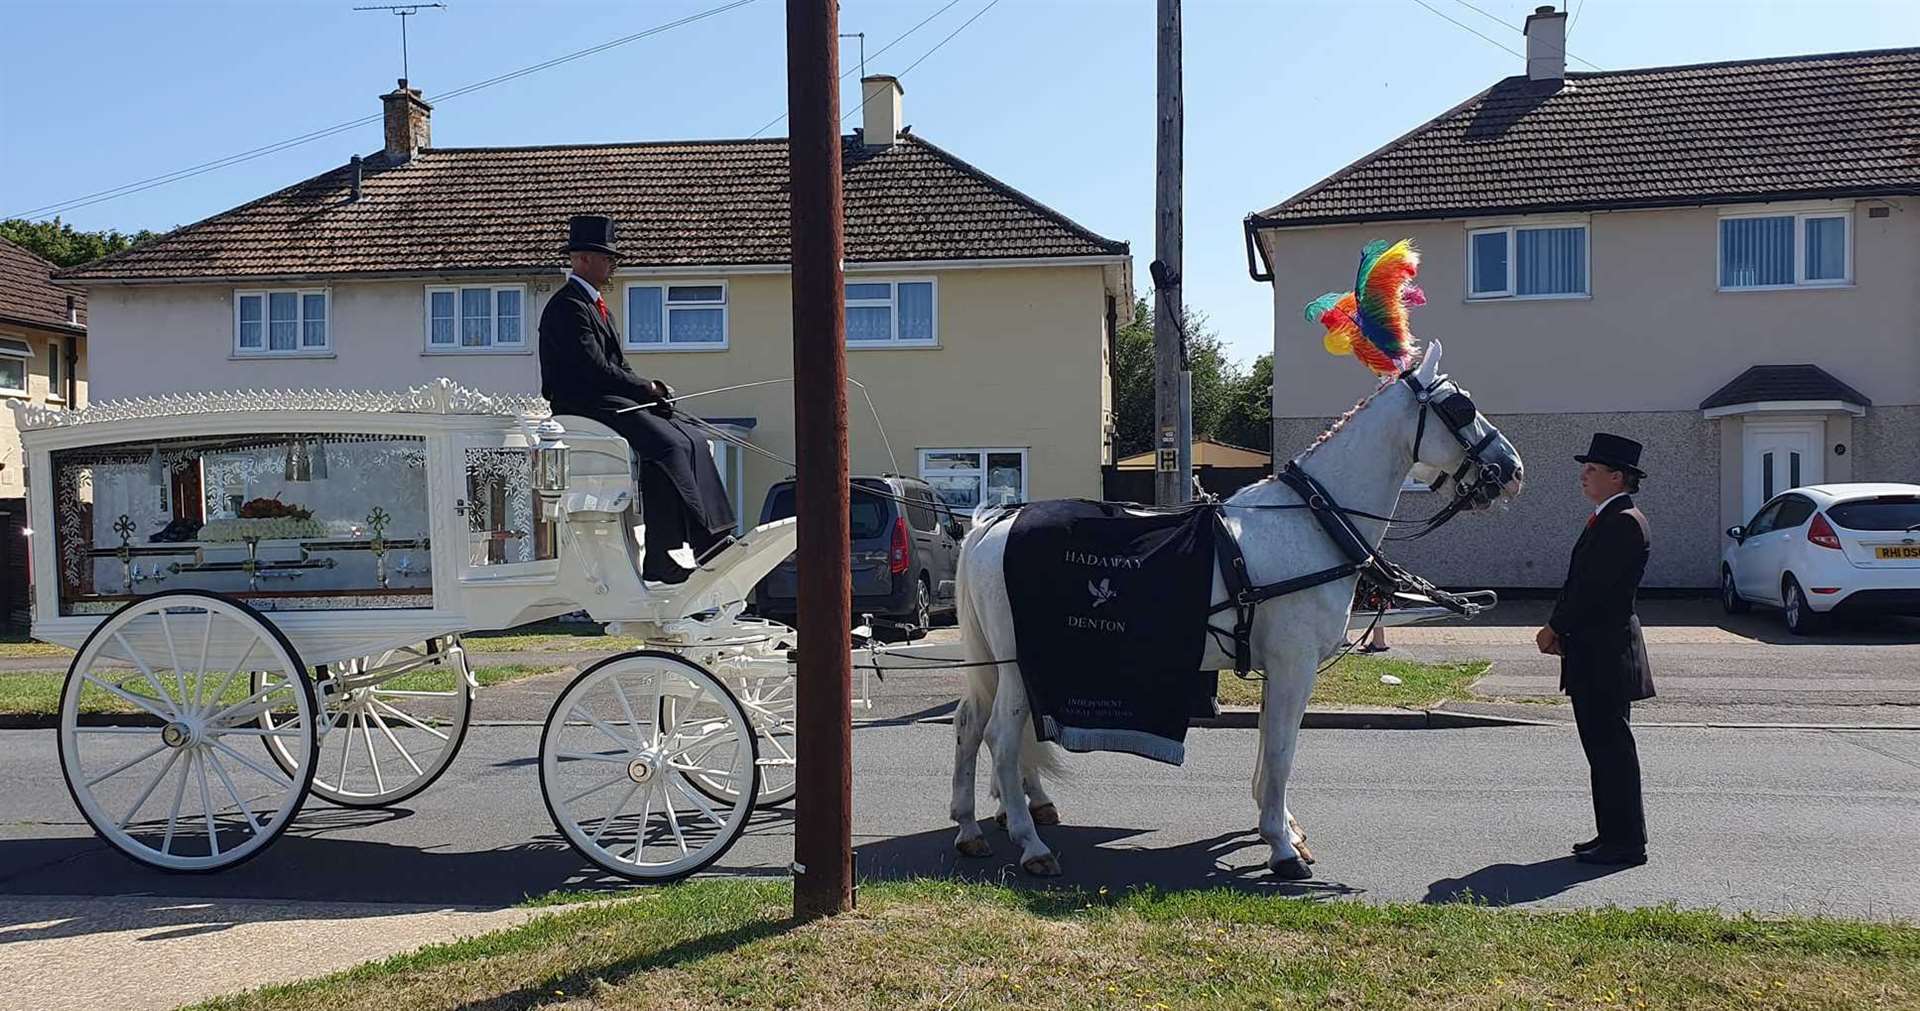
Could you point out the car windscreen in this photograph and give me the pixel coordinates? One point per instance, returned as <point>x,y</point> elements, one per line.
<point>1887,512</point>
<point>867,514</point>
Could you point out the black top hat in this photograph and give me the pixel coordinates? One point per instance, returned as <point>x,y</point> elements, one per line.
<point>1614,451</point>
<point>591,233</point>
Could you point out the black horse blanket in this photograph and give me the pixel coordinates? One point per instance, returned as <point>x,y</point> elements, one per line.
<point>1109,614</point>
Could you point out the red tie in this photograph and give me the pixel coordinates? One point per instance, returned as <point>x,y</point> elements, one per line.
<point>601,304</point>
<point>1592,519</point>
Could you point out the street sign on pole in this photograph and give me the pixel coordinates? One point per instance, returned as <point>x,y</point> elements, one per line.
<point>823,801</point>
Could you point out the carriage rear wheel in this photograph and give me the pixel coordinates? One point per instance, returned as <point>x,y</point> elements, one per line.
<point>187,790</point>
<point>770,704</point>
<point>618,756</point>
<point>390,724</point>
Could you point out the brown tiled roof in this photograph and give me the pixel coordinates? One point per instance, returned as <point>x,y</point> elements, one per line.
<point>1797,127</point>
<point>1784,382</point>
<point>28,296</point>
<point>677,203</point>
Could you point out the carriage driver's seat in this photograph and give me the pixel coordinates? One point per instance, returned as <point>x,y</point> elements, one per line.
<point>602,472</point>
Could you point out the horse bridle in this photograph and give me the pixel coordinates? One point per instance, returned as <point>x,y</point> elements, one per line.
<point>1476,481</point>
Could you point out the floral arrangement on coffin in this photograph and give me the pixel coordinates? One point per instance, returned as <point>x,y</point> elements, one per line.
<point>265,519</point>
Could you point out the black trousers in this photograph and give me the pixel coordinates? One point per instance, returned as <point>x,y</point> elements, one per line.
<point>682,499</point>
<point>1606,734</point>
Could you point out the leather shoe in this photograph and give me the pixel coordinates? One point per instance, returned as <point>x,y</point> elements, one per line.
<point>1588,846</point>
<point>1614,856</point>
<point>671,577</point>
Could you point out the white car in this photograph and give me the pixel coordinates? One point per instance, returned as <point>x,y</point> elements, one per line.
<point>1827,549</point>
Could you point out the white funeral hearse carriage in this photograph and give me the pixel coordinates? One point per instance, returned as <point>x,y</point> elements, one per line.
<point>267,593</point>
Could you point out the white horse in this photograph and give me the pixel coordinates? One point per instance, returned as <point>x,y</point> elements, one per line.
<point>1361,461</point>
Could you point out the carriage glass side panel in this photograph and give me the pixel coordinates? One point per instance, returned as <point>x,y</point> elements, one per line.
<point>505,522</point>
<point>288,521</point>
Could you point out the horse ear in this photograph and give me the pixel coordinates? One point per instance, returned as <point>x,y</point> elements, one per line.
<point>1429,364</point>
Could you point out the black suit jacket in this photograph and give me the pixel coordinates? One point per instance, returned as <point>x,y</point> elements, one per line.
<point>1602,648</point>
<point>582,369</point>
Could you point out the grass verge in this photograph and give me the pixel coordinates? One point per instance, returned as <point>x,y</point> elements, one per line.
<point>550,637</point>
<point>38,692</point>
<point>1355,681</point>
<point>730,943</point>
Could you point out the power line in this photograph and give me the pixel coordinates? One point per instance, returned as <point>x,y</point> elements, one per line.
<point>1577,8</point>
<point>1502,22</point>
<point>1490,40</point>
<point>306,138</point>
<point>991,4</point>
<point>902,37</point>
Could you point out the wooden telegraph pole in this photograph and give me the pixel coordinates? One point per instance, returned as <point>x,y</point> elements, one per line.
<point>1173,441</point>
<point>823,812</point>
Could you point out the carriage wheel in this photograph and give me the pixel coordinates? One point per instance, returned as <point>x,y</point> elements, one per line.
<point>189,793</point>
<point>769,702</point>
<point>618,754</point>
<point>391,725</point>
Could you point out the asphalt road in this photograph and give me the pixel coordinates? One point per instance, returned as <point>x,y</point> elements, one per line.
<point>1763,820</point>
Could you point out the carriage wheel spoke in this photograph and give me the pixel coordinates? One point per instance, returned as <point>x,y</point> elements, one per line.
<point>588,756</point>
<point>366,731</point>
<point>699,802</point>
<point>148,792</point>
<point>640,828</point>
<point>346,752</point>
<point>206,808</point>
<point>138,701</point>
<point>249,708</point>
<point>130,763</point>
<point>625,707</point>
<point>395,741</point>
<point>673,820</point>
<point>227,682</point>
<point>173,813</point>
<point>179,676</point>
<point>614,814</point>
<point>145,672</point>
<point>200,684</point>
<point>409,720</point>
<point>277,779</point>
<point>601,725</point>
<point>227,781</point>
<point>590,791</point>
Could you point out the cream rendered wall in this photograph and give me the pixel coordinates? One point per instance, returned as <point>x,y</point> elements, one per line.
<point>38,392</point>
<point>1655,335</point>
<point>1019,363</point>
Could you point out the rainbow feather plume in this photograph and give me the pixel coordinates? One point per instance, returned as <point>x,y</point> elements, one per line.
<point>1371,322</point>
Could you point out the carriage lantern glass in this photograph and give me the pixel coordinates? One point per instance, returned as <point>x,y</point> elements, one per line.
<point>550,463</point>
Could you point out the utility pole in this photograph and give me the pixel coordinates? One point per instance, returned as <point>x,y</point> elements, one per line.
<point>1173,438</point>
<point>823,811</point>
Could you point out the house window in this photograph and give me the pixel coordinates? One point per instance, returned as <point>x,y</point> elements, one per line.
<point>281,322</point>
<point>54,362</point>
<point>677,317</point>
<point>477,318</point>
<point>889,312</point>
<point>1534,262</point>
<point>1785,251</point>
<point>964,478</point>
<point>14,356</point>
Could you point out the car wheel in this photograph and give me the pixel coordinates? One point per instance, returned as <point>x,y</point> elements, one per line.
<point>1730,599</point>
<point>1801,617</point>
<point>922,604</point>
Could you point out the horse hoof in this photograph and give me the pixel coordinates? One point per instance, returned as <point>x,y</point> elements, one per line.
<point>1046,814</point>
<point>1291,869</point>
<point>974,848</point>
<point>1042,867</point>
<point>1000,819</point>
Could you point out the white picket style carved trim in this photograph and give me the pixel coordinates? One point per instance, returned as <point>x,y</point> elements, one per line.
<point>440,396</point>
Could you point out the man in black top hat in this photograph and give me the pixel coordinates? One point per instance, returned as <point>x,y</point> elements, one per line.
<point>1603,656</point>
<point>583,371</point>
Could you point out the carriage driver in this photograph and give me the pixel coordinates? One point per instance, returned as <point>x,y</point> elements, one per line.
<point>584,372</point>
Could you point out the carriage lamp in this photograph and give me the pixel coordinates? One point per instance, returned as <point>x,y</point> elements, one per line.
<point>550,463</point>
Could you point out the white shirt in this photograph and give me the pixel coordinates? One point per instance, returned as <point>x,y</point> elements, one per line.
<point>592,292</point>
<point>1603,505</point>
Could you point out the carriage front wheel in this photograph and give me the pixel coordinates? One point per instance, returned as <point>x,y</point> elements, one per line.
<point>617,756</point>
<point>188,789</point>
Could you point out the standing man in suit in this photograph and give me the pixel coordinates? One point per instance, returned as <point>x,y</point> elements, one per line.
<point>583,371</point>
<point>1603,656</point>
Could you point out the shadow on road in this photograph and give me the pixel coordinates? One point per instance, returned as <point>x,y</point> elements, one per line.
<point>1511,884</point>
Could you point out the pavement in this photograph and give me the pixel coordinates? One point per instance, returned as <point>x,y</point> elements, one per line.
<point>1768,821</point>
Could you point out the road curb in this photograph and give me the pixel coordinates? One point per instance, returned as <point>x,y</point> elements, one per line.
<point>1244,718</point>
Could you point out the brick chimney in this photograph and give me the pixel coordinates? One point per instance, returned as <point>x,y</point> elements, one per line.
<point>880,96</point>
<point>409,126</point>
<point>1546,44</point>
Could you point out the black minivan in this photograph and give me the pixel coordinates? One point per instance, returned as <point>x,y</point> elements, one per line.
<point>906,549</point>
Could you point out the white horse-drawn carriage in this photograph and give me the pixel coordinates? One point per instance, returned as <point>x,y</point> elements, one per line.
<point>267,593</point>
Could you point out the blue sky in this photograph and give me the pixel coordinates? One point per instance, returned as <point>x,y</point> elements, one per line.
<point>1055,97</point>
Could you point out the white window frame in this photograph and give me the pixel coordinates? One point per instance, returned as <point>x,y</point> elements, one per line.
<point>493,345</point>
<point>981,471</point>
<point>300,347</point>
<point>54,364</point>
<point>666,284</point>
<point>892,303</point>
<point>15,349</point>
<point>1801,214</point>
<point>1508,293</point>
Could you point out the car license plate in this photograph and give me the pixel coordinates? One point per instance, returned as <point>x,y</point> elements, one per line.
<point>1897,551</point>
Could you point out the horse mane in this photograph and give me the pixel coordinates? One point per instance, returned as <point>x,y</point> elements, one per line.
<point>1341,421</point>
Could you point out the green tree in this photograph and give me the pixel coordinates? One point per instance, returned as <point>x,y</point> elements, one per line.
<point>66,245</point>
<point>1248,417</point>
<point>1216,379</point>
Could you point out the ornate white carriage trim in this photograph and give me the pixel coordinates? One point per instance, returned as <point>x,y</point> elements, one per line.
<point>441,396</point>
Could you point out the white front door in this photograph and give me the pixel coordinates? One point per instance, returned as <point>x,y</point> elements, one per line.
<point>1779,455</point>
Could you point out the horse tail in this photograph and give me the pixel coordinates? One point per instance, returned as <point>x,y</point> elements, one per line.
<point>983,673</point>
